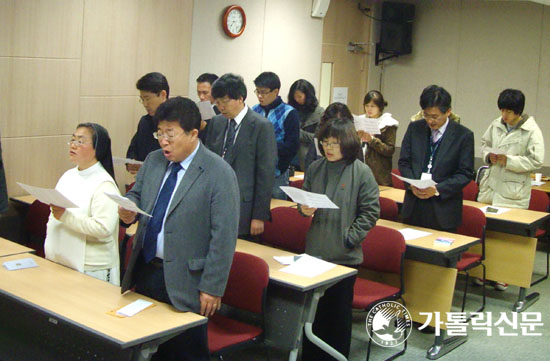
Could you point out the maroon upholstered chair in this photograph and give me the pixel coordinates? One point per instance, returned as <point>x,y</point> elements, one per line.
<point>388,209</point>
<point>35,225</point>
<point>383,251</point>
<point>246,290</point>
<point>473,225</point>
<point>297,183</point>
<point>540,202</point>
<point>470,191</point>
<point>287,229</point>
<point>397,183</point>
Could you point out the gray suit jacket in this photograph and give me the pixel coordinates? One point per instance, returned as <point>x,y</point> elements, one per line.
<point>253,159</point>
<point>200,231</point>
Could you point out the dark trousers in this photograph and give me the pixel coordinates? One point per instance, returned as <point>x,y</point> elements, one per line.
<point>424,216</point>
<point>191,345</point>
<point>332,321</point>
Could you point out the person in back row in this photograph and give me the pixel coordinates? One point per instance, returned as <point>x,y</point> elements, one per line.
<point>285,122</point>
<point>153,91</point>
<point>204,92</point>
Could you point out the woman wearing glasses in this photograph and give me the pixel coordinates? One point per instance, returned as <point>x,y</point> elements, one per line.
<point>336,235</point>
<point>85,238</point>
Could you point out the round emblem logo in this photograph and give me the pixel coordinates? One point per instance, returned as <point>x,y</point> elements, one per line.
<point>389,324</point>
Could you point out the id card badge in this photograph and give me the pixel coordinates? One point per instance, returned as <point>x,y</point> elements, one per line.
<point>426,176</point>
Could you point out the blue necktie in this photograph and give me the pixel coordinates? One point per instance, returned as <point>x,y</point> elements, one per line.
<point>155,223</point>
<point>230,138</point>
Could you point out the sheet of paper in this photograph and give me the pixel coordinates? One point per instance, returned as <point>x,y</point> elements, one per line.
<point>298,176</point>
<point>535,183</point>
<point>494,210</point>
<point>493,150</point>
<point>48,196</point>
<point>369,125</point>
<point>443,241</point>
<point>308,266</point>
<point>418,183</point>
<point>317,151</point>
<point>206,110</point>
<point>340,95</point>
<point>409,233</point>
<point>119,160</point>
<point>133,308</point>
<point>314,200</point>
<point>126,203</point>
<point>286,260</point>
<point>20,264</point>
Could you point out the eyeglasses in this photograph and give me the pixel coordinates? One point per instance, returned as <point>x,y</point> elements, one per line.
<point>168,136</point>
<point>431,117</point>
<point>222,101</point>
<point>144,100</point>
<point>329,145</point>
<point>262,92</point>
<point>76,143</point>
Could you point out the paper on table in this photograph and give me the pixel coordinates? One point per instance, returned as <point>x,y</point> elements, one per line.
<point>19,264</point>
<point>496,151</point>
<point>308,266</point>
<point>48,196</point>
<point>120,160</point>
<point>494,210</point>
<point>286,260</point>
<point>418,183</point>
<point>409,233</point>
<point>125,203</point>
<point>298,176</point>
<point>133,308</point>
<point>535,183</point>
<point>206,110</point>
<point>369,125</point>
<point>314,200</point>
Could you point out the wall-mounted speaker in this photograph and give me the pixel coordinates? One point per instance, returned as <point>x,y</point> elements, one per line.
<point>319,8</point>
<point>396,28</point>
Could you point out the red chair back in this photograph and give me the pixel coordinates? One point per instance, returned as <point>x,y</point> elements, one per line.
<point>287,229</point>
<point>473,222</point>
<point>297,183</point>
<point>388,209</point>
<point>247,283</point>
<point>470,191</point>
<point>539,201</point>
<point>383,250</point>
<point>128,250</point>
<point>397,183</point>
<point>35,226</point>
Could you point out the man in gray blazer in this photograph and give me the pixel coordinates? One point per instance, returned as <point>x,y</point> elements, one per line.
<point>246,140</point>
<point>182,255</point>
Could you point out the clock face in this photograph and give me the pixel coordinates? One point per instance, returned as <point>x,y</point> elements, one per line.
<point>234,21</point>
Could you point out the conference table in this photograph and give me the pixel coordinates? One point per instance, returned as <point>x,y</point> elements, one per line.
<point>63,314</point>
<point>510,246</point>
<point>429,276</point>
<point>8,248</point>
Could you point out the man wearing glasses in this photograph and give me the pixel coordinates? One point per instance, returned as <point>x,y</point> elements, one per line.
<point>440,149</point>
<point>286,123</point>
<point>153,91</point>
<point>183,253</point>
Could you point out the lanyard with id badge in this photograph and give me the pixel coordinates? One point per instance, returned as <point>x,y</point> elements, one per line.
<point>433,148</point>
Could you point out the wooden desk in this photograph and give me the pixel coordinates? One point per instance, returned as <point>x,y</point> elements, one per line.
<point>25,200</point>
<point>54,299</point>
<point>8,248</point>
<point>297,176</point>
<point>545,187</point>
<point>292,300</point>
<point>510,246</point>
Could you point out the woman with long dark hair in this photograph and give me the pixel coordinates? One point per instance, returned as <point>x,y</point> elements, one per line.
<point>86,238</point>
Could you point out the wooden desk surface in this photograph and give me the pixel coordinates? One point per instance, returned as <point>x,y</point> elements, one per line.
<point>298,282</point>
<point>27,199</point>
<point>84,301</point>
<point>8,248</point>
<point>297,176</point>
<point>545,187</point>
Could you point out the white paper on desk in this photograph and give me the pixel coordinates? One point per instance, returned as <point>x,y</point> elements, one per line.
<point>314,200</point>
<point>20,264</point>
<point>317,151</point>
<point>286,260</point>
<point>126,203</point>
<point>298,176</point>
<point>418,183</point>
<point>308,266</point>
<point>133,308</point>
<point>496,151</point>
<point>206,110</point>
<point>409,233</point>
<point>119,160</point>
<point>48,196</point>
<point>499,210</point>
<point>535,183</point>
<point>369,125</point>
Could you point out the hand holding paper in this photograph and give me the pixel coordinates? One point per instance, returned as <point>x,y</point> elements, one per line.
<point>369,125</point>
<point>126,203</point>
<point>48,196</point>
<point>205,108</point>
<point>418,183</point>
<point>119,160</point>
<point>313,200</point>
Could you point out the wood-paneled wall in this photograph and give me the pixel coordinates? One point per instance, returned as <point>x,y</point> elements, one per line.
<point>63,62</point>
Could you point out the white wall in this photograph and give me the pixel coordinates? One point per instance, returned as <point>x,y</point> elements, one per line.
<point>280,36</point>
<point>474,49</point>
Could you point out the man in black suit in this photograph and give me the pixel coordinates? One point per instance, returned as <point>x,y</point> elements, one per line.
<point>436,147</point>
<point>246,140</point>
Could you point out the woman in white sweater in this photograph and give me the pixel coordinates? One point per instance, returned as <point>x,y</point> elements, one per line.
<point>86,238</point>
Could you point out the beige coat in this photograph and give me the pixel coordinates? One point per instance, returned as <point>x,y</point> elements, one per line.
<point>510,186</point>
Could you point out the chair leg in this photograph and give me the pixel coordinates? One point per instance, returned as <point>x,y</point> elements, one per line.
<point>545,277</point>
<point>483,293</point>
<point>465,291</point>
